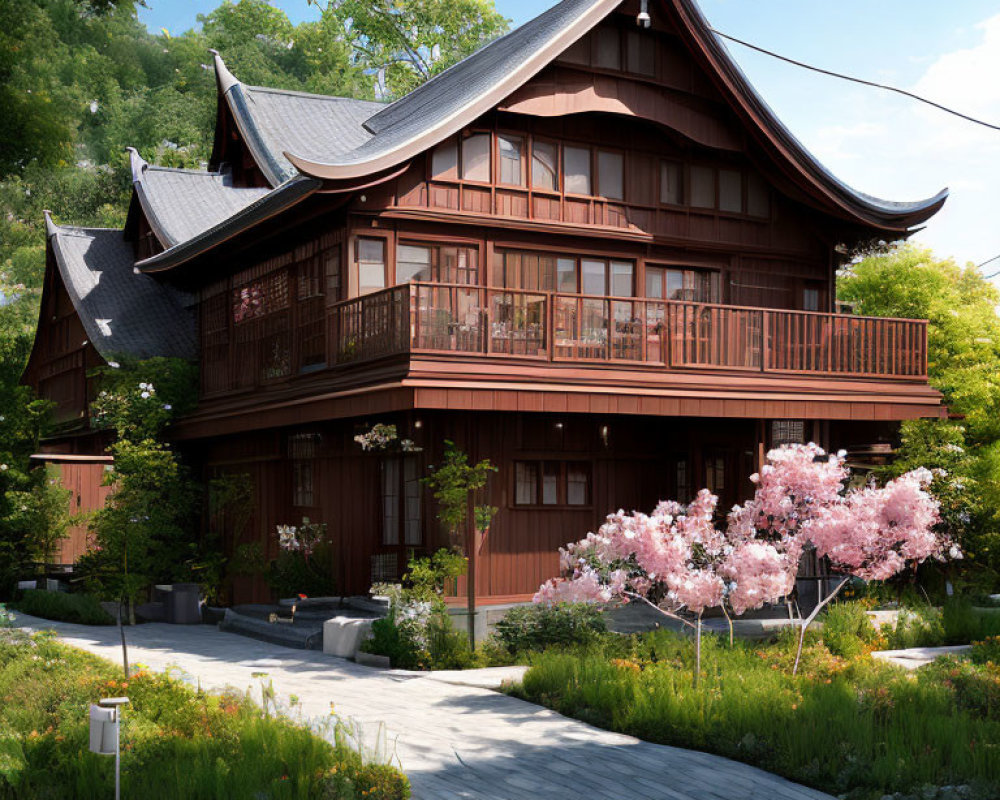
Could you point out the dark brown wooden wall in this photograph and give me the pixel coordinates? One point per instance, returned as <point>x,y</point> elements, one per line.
<point>633,472</point>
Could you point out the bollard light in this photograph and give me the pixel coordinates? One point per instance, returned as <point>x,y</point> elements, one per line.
<point>105,729</point>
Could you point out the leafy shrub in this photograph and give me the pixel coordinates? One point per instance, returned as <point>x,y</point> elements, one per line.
<point>987,651</point>
<point>418,632</point>
<point>180,743</point>
<point>917,626</point>
<point>963,624</point>
<point>848,631</point>
<point>79,608</point>
<point>388,639</point>
<point>859,729</point>
<point>537,627</point>
<point>292,573</point>
<point>975,687</point>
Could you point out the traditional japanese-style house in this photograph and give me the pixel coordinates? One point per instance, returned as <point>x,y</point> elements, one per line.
<point>588,252</point>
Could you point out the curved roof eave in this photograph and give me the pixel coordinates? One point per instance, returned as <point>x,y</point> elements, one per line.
<point>883,213</point>
<point>138,165</point>
<point>276,201</point>
<point>857,206</point>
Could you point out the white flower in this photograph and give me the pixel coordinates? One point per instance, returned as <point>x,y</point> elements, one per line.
<point>144,395</point>
<point>114,364</point>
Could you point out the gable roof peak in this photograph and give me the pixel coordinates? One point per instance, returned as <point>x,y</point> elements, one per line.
<point>223,76</point>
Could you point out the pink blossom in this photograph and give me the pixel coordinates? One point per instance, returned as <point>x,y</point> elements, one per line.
<point>678,558</point>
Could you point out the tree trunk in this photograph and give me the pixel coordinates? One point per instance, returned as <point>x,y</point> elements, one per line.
<point>808,620</point>
<point>121,631</point>
<point>697,652</point>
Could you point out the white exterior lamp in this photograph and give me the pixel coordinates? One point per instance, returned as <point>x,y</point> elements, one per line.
<point>642,19</point>
<point>105,729</point>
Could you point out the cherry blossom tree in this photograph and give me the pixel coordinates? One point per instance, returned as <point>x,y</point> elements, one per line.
<point>676,559</point>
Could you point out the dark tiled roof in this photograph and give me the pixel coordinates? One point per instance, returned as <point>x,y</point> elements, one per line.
<point>331,139</point>
<point>270,204</point>
<point>180,203</point>
<point>124,313</point>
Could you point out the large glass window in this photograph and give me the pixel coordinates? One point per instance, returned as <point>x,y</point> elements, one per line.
<point>731,190</point>
<point>511,150</point>
<point>401,501</point>
<point>444,160</point>
<point>438,263</point>
<point>476,158</point>
<point>552,483</point>
<point>545,166</point>
<point>413,263</point>
<point>702,187</point>
<point>641,53</point>
<point>595,276</point>
<point>758,196</point>
<point>609,48</point>
<point>371,265</point>
<point>576,170</point>
<point>611,174</point>
<point>622,280</point>
<point>671,188</point>
<point>525,483</point>
<point>697,286</point>
<point>567,280</point>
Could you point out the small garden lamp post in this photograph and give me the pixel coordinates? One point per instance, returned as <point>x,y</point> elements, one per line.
<point>105,729</point>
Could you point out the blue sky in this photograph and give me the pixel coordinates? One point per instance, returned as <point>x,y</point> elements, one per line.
<point>879,143</point>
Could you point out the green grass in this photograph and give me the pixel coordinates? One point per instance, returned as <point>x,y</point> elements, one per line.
<point>80,608</point>
<point>855,727</point>
<point>177,743</point>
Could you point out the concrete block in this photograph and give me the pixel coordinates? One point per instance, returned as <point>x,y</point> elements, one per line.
<point>372,660</point>
<point>342,636</point>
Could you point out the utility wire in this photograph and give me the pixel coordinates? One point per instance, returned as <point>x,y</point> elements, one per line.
<point>858,80</point>
<point>863,82</point>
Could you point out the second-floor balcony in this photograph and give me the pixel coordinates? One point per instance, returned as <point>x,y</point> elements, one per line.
<point>482,322</point>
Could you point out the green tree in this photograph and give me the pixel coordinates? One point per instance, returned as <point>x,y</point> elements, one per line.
<point>406,42</point>
<point>963,343</point>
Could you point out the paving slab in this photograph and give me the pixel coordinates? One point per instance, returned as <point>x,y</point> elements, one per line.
<point>914,657</point>
<point>455,741</point>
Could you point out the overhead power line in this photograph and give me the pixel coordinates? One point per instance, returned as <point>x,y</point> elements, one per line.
<point>863,82</point>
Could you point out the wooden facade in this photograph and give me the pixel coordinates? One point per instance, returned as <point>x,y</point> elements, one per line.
<point>609,270</point>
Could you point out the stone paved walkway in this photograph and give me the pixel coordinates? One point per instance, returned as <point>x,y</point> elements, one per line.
<point>453,741</point>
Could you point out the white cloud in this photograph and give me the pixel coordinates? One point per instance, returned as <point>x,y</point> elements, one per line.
<point>903,150</point>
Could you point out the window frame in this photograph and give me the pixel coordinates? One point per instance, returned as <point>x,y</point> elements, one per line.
<point>358,262</point>
<point>563,467</point>
<point>526,150</point>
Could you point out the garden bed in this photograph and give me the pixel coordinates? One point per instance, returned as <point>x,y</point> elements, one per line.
<point>176,742</point>
<point>848,726</point>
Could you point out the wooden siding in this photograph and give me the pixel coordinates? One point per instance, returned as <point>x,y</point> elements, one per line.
<point>61,355</point>
<point>633,463</point>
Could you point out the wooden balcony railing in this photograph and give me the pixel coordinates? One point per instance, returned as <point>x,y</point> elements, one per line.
<point>548,326</point>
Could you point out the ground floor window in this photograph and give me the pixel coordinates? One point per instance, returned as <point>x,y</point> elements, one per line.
<point>552,483</point>
<point>787,431</point>
<point>401,502</point>
<point>302,453</point>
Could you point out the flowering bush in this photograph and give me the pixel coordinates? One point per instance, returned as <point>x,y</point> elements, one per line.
<point>303,539</point>
<point>417,632</point>
<point>380,437</point>
<point>676,558</point>
<point>6,617</point>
